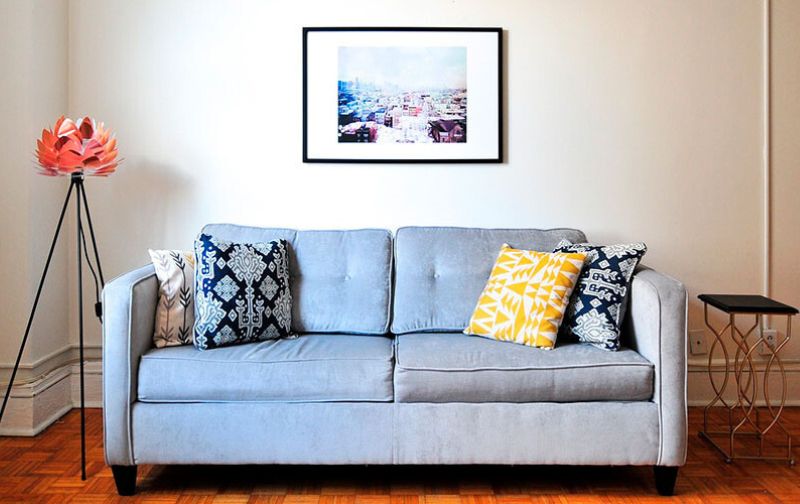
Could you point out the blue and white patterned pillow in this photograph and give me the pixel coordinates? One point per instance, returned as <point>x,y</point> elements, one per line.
<point>597,307</point>
<point>241,292</point>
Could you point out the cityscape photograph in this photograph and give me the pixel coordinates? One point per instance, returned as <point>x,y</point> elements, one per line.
<point>402,94</point>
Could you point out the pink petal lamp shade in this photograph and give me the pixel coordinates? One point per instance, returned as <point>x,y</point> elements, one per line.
<point>82,146</point>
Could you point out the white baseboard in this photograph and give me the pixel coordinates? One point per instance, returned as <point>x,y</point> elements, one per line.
<point>93,384</point>
<point>36,405</point>
<point>701,392</point>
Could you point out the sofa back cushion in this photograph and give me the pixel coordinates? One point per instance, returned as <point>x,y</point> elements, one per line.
<point>441,271</point>
<point>340,280</point>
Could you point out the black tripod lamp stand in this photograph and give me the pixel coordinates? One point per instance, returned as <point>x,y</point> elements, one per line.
<point>82,207</point>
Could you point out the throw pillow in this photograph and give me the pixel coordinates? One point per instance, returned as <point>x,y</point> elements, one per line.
<point>242,292</point>
<point>597,309</point>
<point>526,296</point>
<point>175,310</point>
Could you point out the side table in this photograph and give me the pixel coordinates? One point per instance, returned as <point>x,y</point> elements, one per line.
<point>744,414</point>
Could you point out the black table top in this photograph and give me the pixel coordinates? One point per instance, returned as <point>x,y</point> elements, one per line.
<point>746,303</point>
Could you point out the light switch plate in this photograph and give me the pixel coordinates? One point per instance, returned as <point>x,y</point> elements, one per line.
<point>770,339</point>
<point>697,342</point>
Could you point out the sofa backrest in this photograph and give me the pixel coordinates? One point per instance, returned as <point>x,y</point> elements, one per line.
<point>440,271</point>
<point>341,281</point>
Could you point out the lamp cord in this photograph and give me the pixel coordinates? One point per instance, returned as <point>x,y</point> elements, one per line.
<point>98,312</point>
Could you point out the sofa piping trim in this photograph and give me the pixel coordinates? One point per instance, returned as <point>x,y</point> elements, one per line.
<point>660,380</point>
<point>287,361</point>
<point>398,365</point>
<point>127,359</point>
<point>530,368</point>
<point>267,401</point>
<point>460,228</point>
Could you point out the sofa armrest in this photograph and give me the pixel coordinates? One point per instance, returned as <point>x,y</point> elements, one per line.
<point>129,306</point>
<point>657,330</point>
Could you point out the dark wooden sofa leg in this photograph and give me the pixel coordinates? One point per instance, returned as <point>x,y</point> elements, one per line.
<point>125,478</point>
<point>665,479</point>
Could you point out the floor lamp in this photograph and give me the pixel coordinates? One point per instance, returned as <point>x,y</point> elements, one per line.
<point>74,148</point>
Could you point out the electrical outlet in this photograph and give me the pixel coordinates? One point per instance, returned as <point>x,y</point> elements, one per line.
<point>770,337</point>
<point>697,342</point>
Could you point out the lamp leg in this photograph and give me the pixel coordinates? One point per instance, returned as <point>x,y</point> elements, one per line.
<point>91,234</point>
<point>79,185</point>
<point>36,300</point>
<point>98,307</point>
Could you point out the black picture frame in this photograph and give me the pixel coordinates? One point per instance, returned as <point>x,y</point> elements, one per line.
<point>499,72</point>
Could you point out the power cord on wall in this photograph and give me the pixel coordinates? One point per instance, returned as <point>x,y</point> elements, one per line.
<point>98,306</point>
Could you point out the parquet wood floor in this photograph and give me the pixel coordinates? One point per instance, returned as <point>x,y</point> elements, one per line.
<point>46,469</point>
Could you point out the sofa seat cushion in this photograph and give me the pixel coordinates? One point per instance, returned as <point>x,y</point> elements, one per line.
<point>453,367</point>
<point>311,368</point>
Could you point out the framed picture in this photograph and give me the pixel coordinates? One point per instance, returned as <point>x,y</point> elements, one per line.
<point>402,95</point>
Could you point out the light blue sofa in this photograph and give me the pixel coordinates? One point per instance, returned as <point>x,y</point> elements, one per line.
<point>381,373</point>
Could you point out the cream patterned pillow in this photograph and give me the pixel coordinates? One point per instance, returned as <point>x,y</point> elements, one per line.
<point>175,310</point>
<point>526,296</point>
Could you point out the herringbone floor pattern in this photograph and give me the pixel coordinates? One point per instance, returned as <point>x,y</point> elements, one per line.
<point>45,469</point>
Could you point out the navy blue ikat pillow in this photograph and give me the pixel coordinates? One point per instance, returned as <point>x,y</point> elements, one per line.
<point>597,306</point>
<point>241,292</point>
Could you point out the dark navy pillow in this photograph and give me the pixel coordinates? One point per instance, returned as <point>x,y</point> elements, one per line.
<point>241,292</point>
<point>597,306</point>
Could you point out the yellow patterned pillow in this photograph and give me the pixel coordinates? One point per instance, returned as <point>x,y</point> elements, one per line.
<point>526,296</point>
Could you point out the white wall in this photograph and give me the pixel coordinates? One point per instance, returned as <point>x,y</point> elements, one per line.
<point>33,53</point>
<point>785,152</point>
<point>630,120</point>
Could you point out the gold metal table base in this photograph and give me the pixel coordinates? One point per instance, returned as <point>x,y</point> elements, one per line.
<point>744,416</point>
